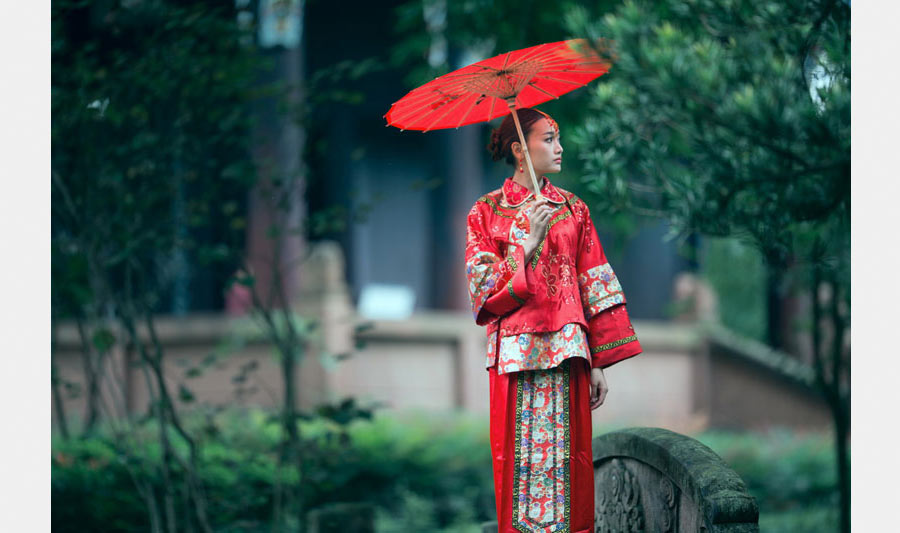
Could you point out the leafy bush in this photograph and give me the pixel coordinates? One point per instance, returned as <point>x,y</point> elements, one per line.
<point>421,472</point>
<point>792,476</point>
<point>413,468</point>
<point>91,489</point>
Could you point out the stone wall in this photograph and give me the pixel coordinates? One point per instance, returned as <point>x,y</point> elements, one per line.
<point>688,378</point>
<point>434,361</point>
<point>750,386</point>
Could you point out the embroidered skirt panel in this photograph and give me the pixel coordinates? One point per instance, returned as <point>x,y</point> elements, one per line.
<point>541,448</point>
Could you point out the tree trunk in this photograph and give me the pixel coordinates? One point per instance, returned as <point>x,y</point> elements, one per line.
<point>841,430</point>
<point>58,403</point>
<point>275,235</point>
<point>92,376</point>
<point>293,455</point>
<point>164,408</point>
<point>841,400</point>
<point>830,378</point>
<point>192,484</point>
<point>774,280</point>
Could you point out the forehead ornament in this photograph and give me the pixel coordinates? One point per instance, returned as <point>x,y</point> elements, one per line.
<point>552,122</point>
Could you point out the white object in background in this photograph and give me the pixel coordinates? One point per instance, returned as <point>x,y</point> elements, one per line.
<point>386,302</point>
<point>280,23</point>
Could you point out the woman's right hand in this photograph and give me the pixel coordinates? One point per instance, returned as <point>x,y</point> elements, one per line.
<point>538,220</point>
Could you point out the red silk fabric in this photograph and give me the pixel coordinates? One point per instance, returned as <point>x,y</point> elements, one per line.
<point>510,449</point>
<point>568,280</point>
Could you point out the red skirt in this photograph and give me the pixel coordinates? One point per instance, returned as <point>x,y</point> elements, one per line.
<point>541,448</point>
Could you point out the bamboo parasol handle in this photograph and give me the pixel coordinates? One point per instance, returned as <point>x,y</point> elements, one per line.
<point>537,190</point>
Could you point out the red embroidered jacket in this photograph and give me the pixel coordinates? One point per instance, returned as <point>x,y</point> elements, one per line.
<point>568,279</point>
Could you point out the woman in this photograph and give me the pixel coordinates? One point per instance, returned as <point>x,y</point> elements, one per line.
<point>555,316</point>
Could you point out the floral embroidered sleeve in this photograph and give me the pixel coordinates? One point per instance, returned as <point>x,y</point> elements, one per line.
<point>611,336</point>
<point>497,283</point>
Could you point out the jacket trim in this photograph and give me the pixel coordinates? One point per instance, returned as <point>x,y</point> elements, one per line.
<point>515,195</point>
<point>512,293</point>
<point>489,200</point>
<point>512,262</point>
<point>613,344</point>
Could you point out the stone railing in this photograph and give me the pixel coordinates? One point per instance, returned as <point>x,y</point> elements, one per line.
<point>655,480</point>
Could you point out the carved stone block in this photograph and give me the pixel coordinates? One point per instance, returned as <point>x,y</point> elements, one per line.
<point>655,480</point>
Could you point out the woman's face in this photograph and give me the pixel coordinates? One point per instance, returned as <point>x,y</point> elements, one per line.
<point>544,147</point>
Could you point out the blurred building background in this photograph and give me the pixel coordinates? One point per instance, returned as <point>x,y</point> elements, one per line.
<point>399,267</point>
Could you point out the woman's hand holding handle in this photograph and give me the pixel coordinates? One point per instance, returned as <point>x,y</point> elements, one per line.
<point>538,220</point>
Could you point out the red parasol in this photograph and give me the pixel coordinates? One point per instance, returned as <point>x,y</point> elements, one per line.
<point>494,87</point>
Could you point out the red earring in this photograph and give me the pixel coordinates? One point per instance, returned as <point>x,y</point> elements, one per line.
<point>520,167</point>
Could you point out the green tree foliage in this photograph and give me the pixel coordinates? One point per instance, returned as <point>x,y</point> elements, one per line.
<point>707,117</point>
<point>149,163</point>
<point>736,272</point>
<point>483,27</point>
<point>156,109</point>
<point>149,142</point>
<point>732,118</point>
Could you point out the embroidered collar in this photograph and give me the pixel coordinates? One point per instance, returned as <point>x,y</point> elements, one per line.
<point>515,195</point>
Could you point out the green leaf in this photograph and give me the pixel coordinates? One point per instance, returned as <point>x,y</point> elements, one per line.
<point>185,394</point>
<point>103,339</point>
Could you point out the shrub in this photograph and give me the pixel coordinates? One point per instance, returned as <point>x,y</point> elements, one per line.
<point>791,475</point>
<point>422,473</point>
<point>399,464</point>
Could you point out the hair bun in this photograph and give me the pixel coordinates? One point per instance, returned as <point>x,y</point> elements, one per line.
<point>495,146</point>
<point>503,137</point>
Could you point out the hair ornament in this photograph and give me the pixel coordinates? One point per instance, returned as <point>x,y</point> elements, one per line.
<point>552,122</point>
